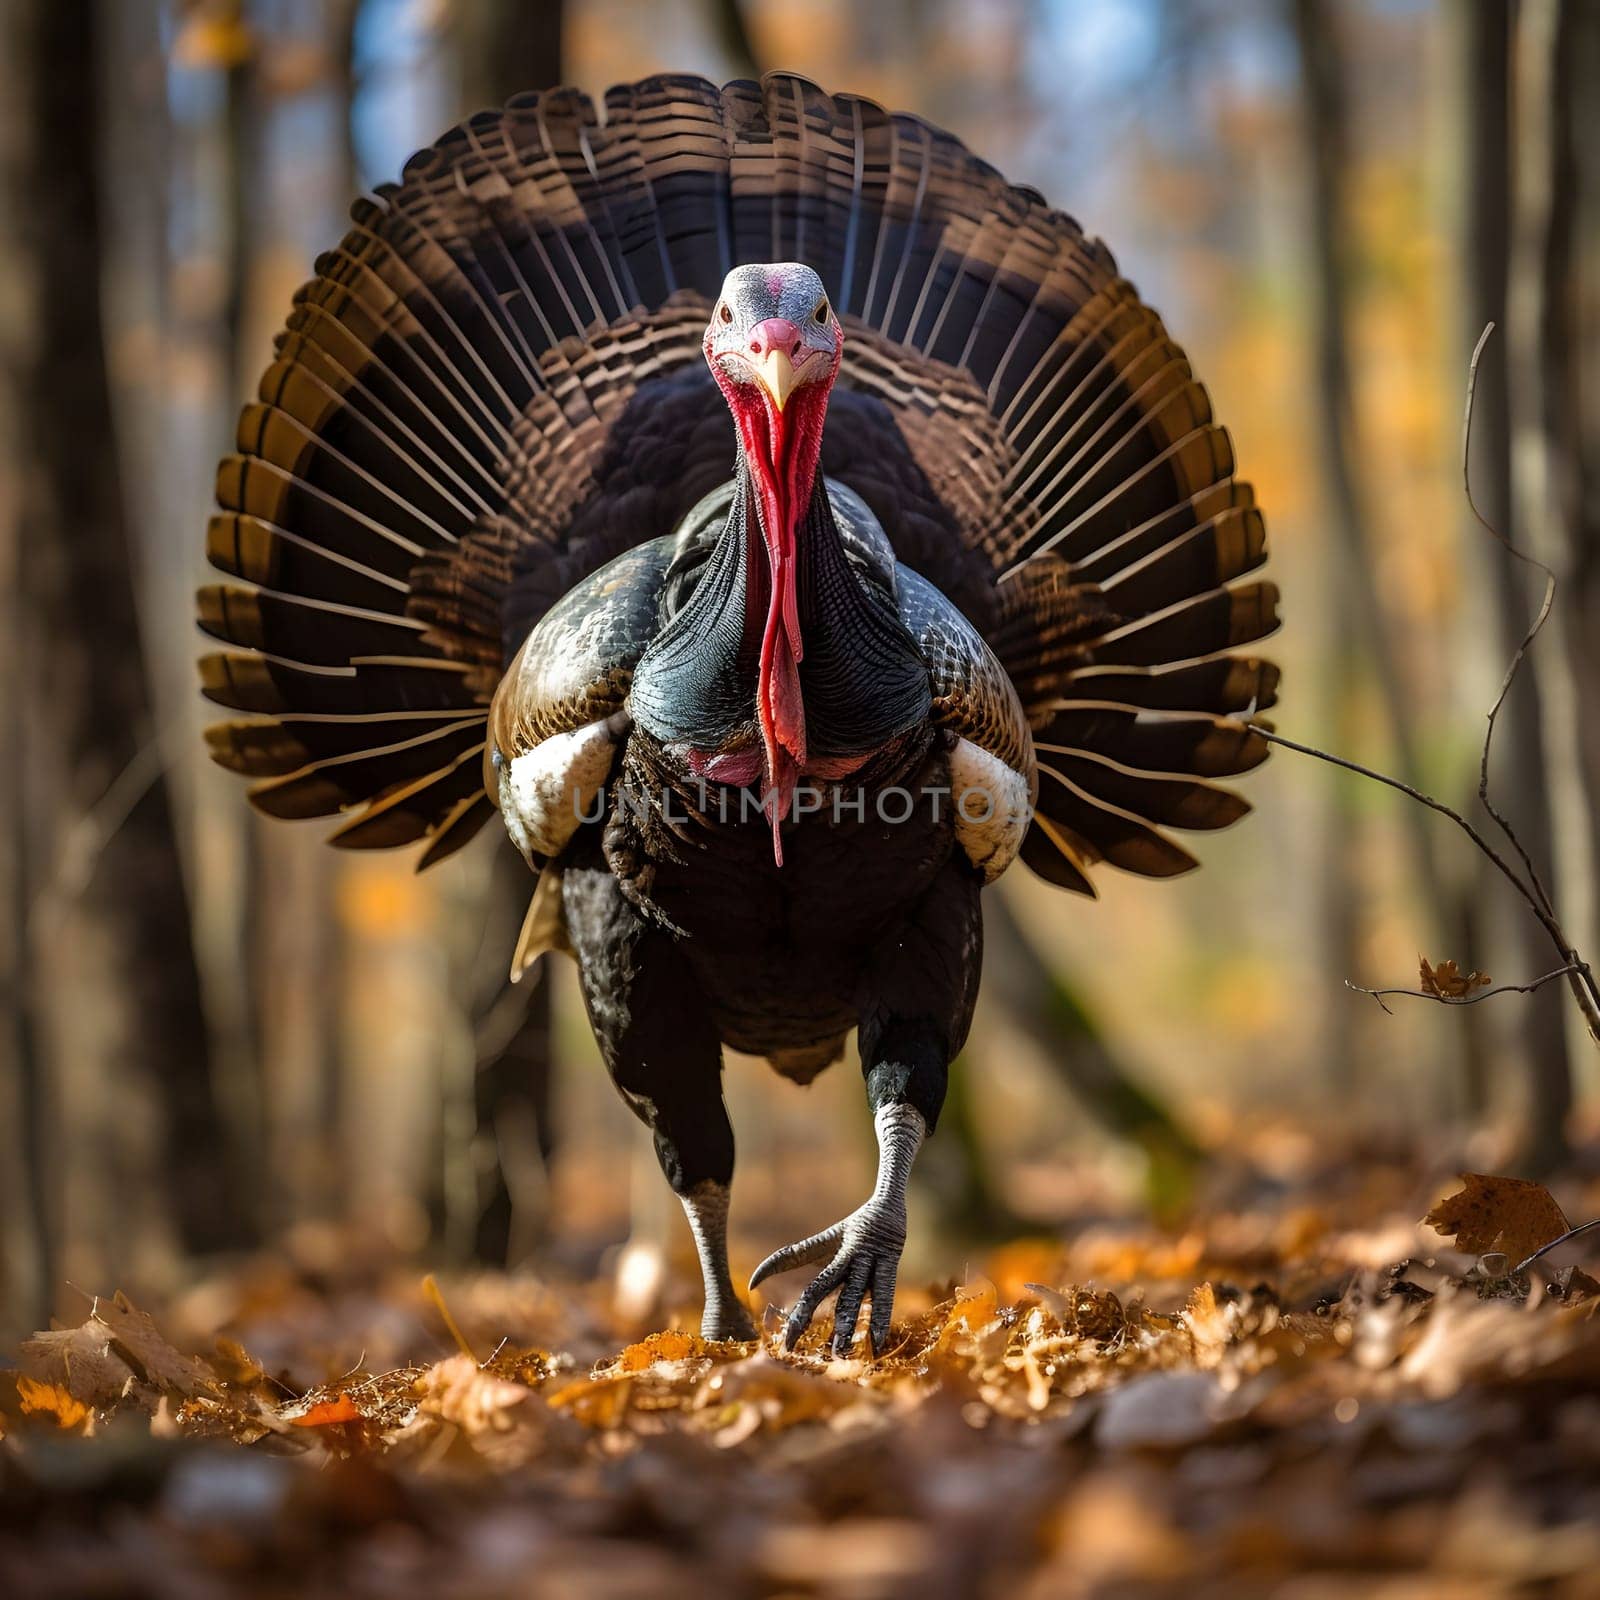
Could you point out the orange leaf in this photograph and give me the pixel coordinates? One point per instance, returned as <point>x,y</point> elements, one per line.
<point>327,1412</point>
<point>668,1346</point>
<point>1447,982</point>
<point>1514,1215</point>
<point>50,1400</point>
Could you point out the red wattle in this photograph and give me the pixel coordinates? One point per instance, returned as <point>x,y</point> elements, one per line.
<point>782,449</point>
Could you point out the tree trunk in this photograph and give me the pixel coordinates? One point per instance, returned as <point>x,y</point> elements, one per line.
<point>29,1220</point>
<point>119,952</point>
<point>1536,284</point>
<point>508,46</point>
<point>1580,342</point>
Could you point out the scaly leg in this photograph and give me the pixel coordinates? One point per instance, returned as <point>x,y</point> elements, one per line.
<point>725,1316</point>
<point>665,1058</point>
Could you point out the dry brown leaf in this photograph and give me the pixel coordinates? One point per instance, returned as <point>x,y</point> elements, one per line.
<point>1210,1325</point>
<point>458,1390</point>
<point>595,1402</point>
<point>81,1361</point>
<point>148,1354</point>
<point>1447,982</point>
<point>1489,1213</point>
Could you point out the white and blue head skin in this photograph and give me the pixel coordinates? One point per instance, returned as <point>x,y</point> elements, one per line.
<point>772,330</point>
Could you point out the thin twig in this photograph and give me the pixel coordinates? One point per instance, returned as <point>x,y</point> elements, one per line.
<point>1462,999</point>
<point>1545,1249</point>
<point>91,833</point>
<point>1580,977</point>
<point>1521,651</point>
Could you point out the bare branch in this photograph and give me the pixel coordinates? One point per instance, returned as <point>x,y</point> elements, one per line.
<point>1464,999</point>
<point>91,834</point>
<point>1580,978</point>
<point>1540,618</point>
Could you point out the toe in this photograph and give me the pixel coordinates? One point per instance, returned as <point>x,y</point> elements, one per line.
<point>803,1253</point>
<point>805,1307</point>
<point>848,1310</point>
<point>883,1283</point>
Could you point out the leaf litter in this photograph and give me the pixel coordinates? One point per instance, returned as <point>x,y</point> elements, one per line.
<point>1258,1400</point>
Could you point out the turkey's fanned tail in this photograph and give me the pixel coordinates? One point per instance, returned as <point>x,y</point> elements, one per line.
<point>493,385</point>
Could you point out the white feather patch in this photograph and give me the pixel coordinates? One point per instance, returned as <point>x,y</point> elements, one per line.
<point>992,808</point>
<point>546,792</point>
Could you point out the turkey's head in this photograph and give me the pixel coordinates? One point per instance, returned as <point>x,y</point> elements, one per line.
<point>773,345</point>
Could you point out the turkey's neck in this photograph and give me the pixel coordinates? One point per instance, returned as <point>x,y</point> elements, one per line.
<point>783,664</point>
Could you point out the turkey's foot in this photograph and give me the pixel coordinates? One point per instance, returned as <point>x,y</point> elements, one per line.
<point>862,1250</point>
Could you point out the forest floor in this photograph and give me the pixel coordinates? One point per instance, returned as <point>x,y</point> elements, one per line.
<point>1304,1390</point>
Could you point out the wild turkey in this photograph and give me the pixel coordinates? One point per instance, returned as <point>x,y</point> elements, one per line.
<point>500,546</point>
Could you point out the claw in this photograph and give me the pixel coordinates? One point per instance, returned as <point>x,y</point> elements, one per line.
<point>803,1253</point>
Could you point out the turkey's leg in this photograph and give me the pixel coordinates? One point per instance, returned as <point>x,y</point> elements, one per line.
<point>725,1317</point>
<point>664,1056</point>
<point>915,1014</point>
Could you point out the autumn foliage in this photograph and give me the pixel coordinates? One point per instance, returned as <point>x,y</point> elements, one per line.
<point>1273,1391</point>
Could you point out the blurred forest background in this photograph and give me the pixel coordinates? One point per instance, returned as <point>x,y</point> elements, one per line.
<point>218,1033</point>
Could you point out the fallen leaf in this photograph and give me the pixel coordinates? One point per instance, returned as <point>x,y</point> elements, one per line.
<point>79,1360</point>
<point>327,1413</point>
<point>51,1400</point>
<point>1513,1215</point>
<point>595,1402</point>
<point>458,1390</point>
<point>148,1354</point>
<point>1447,982</point>
<point>670,1345</point>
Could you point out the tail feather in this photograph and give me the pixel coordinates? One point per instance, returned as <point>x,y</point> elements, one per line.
<point>276,687</point>
<point>324,397</point>
<point>298,741</point>
<point>1225,683</point>
<point>375,770</point>
<point>1177,802</point>
<point>1217,551</point>
<point>274,558</point>
<point>1107,831</point>
<point>1161,742</point>
<point>1059,856</point>
<point>446,805</point>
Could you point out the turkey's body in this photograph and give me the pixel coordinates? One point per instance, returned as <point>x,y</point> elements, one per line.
<point>753,442</point>
<point>777,952</point>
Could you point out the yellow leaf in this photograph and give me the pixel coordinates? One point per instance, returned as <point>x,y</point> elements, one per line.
<point>51,1400</point>
<point>1514,1215</point>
